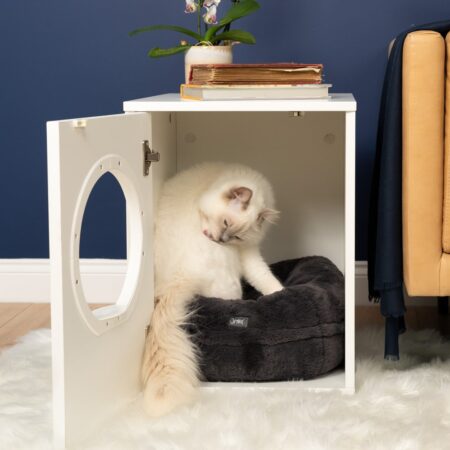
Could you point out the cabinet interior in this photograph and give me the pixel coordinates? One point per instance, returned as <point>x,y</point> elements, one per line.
<point>303,156</point>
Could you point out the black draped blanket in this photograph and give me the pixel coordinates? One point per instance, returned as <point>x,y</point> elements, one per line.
<point>297,333</point>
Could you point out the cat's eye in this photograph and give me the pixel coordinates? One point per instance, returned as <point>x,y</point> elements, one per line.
<point>225,222</point>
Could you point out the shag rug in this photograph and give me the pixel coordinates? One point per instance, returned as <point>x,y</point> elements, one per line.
<point>403,405</point>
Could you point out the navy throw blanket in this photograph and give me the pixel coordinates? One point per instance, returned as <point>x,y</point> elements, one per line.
<point>385,221</point>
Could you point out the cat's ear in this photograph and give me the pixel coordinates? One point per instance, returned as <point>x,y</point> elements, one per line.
<point>268,215</point>
<point>240,195</point>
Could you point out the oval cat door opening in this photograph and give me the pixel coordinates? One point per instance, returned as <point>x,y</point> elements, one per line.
<point>107,245</point>
<point>103,245</point>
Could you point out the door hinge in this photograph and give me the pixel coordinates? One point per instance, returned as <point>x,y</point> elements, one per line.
<point>149,156</point>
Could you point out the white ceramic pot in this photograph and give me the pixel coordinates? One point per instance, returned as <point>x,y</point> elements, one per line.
<point>207,54</point>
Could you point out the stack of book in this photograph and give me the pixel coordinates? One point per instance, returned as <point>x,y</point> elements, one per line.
<point>255,82</point>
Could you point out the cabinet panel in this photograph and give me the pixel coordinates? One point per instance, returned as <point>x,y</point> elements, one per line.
<point>97,355</point>
<point>302,156</point>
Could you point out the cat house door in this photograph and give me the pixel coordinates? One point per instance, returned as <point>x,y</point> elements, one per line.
<point>97,354</point>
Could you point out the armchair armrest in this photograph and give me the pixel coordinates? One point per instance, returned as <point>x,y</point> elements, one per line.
<point>423,160</point>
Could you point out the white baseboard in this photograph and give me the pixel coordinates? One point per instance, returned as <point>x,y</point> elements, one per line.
<point>361,284</point>
<point>28,280</point>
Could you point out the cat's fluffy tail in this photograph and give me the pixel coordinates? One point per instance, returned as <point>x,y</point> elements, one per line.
<point>169,370</point>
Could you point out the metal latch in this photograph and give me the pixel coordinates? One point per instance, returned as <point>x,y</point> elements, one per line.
<point>297,113</point>
<point>149,156</point>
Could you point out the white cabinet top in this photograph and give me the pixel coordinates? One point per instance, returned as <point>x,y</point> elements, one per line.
<point>172,102</point>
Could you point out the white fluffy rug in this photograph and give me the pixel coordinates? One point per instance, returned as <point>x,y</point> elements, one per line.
<point>404,405</point>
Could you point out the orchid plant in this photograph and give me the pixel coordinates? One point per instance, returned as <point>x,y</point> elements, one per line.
<point>215,32</point>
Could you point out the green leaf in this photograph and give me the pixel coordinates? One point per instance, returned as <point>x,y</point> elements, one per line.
<point>235,35</point>
<point>238,10</point>
<point>157,52</point>
<point>182,30</point>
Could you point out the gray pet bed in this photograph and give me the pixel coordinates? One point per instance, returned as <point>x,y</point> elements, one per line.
<point>297,333</point>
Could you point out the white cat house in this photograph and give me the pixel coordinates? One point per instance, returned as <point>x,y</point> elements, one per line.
<point>306,148</point>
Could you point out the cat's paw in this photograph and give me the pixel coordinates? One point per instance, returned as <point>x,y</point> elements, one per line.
<point>162,397</point>
<point>273,287</point>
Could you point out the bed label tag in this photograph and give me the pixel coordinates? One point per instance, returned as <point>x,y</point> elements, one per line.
<point>238,322</point>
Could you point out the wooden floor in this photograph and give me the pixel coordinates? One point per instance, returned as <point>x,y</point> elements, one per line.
<point>17,319</point>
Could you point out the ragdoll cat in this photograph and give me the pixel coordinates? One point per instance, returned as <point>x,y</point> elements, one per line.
<point>210,221</point>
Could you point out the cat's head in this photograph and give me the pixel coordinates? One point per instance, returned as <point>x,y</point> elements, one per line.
<point>236,215</point>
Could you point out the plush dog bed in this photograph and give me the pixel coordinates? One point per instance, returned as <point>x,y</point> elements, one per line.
<point>297,333</point>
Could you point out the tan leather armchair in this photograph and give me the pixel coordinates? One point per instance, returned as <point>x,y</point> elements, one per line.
<point>426,164</point>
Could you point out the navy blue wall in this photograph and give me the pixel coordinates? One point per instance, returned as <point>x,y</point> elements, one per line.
<point>63,59</point>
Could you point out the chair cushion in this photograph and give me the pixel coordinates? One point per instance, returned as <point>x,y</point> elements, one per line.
<point>423,162</point>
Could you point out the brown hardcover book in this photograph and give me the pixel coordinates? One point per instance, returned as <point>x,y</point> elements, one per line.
<point>278,73</point>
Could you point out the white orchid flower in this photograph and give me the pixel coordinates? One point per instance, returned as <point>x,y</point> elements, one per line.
<point>191,6</point>
<point>210,16</point>
<point>209,3</point>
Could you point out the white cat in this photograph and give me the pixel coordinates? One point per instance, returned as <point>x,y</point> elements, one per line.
<point>210,221</point>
